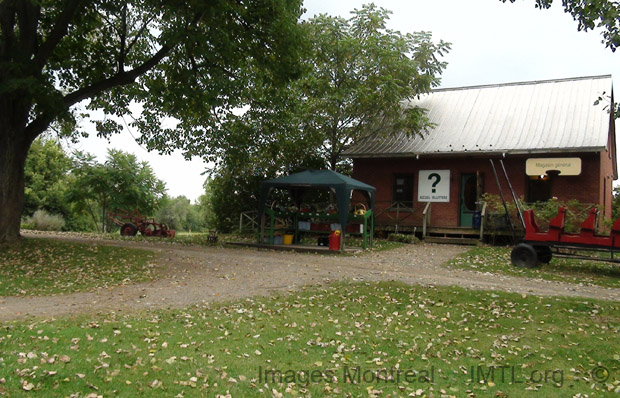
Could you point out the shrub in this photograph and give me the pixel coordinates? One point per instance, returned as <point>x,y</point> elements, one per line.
<point>576,211</point>
<point>403,238</point>
<point>27,223</point>
<point>43,221</point>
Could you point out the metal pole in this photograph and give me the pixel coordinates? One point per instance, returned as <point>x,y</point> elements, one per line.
<point>501,194</point>
<point>514,196</point>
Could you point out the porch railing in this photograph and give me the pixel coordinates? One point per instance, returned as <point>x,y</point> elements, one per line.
<point>397,214</point>
<point>248,221</point>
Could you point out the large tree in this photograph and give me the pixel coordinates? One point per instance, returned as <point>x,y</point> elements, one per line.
<point>168,58</point>
<point>355,80</point>
<point>591,14</point>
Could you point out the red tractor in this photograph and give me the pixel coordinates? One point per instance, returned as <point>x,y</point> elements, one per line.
<point>132,222</point>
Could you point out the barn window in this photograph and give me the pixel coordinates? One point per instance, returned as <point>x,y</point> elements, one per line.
<point>403,189</point>
<point>539,188</point>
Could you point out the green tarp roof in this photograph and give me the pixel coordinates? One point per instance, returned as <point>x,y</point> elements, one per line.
<point>320,179</point>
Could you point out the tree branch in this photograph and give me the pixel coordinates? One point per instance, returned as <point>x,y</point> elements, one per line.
<point>39,125</point>
<point>140,32</point>
<point>123,39</point>
<point>7,24</point>
<point>28,17</point>
<point>58,32</point>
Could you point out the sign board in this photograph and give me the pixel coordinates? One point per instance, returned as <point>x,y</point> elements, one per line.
<point>540,166</point>
<point>434,186</point>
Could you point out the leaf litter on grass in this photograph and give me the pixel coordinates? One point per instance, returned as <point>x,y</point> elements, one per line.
<point>42,266</point>
<point>368,339</point>
<point>497,260</point>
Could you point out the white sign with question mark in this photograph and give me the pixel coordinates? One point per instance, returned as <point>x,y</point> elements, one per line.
<point>434,186</point>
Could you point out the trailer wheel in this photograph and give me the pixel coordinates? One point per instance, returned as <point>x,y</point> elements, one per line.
<point>128,229</point>
<point>544,254</point>
<point>524,256</point>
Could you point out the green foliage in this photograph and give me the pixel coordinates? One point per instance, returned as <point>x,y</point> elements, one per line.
<point>194,61</point>
<point>120,183</point>
<point>576,211</point>
<point>591,14</point>
<point>43,221</point>
<point>404,238</point>
<point>229,195</point>
<point>355,76</point>
<point>615,206</point>
<point>219,349</point>
<point>211,47</point>
<point>47,266</point>
<point>180,214</point>
<point>46,178</point>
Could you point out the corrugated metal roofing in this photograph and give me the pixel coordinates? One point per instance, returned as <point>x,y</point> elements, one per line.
<point>528,117</point>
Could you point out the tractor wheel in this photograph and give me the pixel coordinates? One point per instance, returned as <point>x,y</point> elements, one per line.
<point>128,229</point>
<point>524,256</point>
<point>544,254</point>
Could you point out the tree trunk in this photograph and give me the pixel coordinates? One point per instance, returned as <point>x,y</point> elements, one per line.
<point>13,152</point>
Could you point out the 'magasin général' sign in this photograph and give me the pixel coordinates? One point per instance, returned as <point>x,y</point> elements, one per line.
<point>540,166</point>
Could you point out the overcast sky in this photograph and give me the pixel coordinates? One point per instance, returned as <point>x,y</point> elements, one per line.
<point>492,42</point>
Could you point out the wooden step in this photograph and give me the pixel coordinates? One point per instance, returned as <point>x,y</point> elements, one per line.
<point>452,241</point>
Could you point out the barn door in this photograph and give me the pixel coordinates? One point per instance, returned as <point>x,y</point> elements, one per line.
<point>468,198</point>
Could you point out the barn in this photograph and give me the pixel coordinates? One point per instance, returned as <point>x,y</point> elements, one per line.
<point>556,138</point>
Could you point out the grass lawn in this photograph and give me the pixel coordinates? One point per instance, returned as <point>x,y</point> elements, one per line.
<point>497,260</point>
<point>406,341</point>
<point>44,266</point>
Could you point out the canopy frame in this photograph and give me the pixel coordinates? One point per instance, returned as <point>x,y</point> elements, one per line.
<point>297,184</point>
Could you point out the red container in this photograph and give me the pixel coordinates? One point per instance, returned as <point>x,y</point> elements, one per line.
<point>354,228</point>
<point>319,227</point>
<point>334,240</point>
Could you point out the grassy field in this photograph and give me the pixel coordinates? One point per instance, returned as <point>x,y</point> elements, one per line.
<point>497,260</point>
<point>43,266</point>
<point>351,340</point>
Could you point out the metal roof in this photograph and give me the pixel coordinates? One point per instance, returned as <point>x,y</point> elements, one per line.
<point>528,117</point>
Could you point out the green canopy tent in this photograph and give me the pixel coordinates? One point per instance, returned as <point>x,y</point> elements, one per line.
<point>341,185</point>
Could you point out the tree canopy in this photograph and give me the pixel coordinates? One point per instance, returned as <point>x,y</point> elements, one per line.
<point>591,14</point>
<point>120,183</point>
<point>355,80</point>
<point>170,59</point>
<point>47,175</point>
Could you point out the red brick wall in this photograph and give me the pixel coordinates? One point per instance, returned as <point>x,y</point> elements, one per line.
<point>379,172</point>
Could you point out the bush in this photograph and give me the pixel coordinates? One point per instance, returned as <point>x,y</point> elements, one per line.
<point>544,212</point>
<point>43,221</point>
<point>403,238</point>
<point>27,224</point>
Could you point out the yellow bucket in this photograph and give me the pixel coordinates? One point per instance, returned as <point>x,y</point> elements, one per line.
<point>288,239</point>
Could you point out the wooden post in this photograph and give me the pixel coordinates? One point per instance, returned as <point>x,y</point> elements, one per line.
<point>426,213</point>
<point>262,230</point>
<point>482,217</point>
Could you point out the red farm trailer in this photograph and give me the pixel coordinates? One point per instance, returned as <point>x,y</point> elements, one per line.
<point>539,246</point>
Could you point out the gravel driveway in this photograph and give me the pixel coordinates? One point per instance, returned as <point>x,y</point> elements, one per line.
<point>194,275</point>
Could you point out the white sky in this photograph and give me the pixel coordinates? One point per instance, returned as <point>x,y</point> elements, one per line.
<point>492,42</point>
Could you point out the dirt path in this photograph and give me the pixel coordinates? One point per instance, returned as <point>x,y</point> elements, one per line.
<point>195,275</point>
